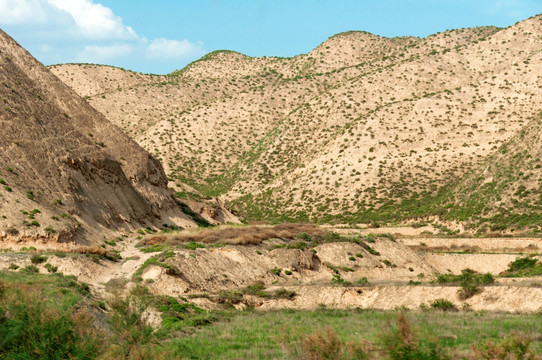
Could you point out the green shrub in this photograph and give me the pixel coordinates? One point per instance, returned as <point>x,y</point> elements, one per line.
<point>50,268</point>
<point>36,329</point>
<point>443,304</point>
<point>363,282</point>
<point>38,259</point>
<point>192,245</point>
<point>30,269</point>
<point>512,346</point>
<point>50,230</point>
<point>521,264</point>
<point>402,343</point>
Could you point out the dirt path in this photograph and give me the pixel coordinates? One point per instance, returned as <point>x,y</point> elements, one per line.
<point>132,259</point>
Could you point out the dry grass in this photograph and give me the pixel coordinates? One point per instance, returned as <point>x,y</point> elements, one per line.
<point>236,235</point>
<point>91,250</point>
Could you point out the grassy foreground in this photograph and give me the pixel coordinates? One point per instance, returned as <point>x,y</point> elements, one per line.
<point>272,335</point>
<point>56,317</point>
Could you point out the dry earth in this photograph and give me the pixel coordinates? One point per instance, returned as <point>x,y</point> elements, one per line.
<point>202,274</point>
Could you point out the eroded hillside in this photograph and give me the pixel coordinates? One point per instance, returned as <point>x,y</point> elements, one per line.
<point>347,131</point>
<point>68,174</point>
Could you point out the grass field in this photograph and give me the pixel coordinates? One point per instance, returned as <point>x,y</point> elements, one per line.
<point>276,335</point>
<point>55,316</point>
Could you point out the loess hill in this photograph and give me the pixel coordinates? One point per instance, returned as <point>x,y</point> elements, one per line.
<point>66,173</point>
<point>362,128</point>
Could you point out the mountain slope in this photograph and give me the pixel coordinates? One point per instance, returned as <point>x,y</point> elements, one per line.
<point>67,173</point>
<point>346,132</point>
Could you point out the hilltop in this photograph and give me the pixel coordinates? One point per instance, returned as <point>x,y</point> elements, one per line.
<point>361,129</point>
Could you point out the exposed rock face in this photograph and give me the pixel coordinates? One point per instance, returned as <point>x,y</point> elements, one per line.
<point>68,173</point>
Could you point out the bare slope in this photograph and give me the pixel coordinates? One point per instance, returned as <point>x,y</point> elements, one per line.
<point>347,131</point>
<point>68,173</point>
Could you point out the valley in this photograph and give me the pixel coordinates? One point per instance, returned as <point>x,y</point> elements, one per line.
<point>374,196</point>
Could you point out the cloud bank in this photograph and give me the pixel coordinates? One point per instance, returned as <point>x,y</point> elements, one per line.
<point>86,31</point>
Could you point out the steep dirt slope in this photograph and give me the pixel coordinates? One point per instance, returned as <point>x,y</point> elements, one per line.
<point>66,172</point>
<point>345,132</point>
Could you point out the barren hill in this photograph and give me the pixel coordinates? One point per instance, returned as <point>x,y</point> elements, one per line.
<point>67,173</point>
<point>359,129</point>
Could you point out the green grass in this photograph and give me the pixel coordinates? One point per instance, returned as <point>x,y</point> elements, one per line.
<point>269,335</point>
<point>44,321</point>
<point>39,318</point>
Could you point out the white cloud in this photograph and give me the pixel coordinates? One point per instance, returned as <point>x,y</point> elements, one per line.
<point>95,20</point>
<point>57,31</point>
<point>164,48</point>
<point>25,11</point>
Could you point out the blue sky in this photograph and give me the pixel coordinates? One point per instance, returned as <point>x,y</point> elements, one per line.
<point>164,35</point>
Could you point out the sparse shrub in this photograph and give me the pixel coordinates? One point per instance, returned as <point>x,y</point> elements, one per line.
<point>230,297</point>
<point>443,304</point>
<point>363,282</point>
<point>30,269</point>
<point>38,259</point>
<point>288,272</point>
<point>276,271</point>
<point>471,282</point>
<point>402,343</point>
<point>13,266</point>
<point>192,245</point>
<point>521,264</point>
<point>322,346</point>
<point>284,294</point>
<point>512,347</point>
<point>50,268</point>
<point>50,230</point>
<point>337,279</point>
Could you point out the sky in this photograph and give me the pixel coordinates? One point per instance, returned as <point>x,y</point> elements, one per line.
<point>161,36</point>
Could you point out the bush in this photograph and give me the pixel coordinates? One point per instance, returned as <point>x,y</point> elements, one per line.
<point>192,245</point>
<point>38,329</point>
<point>443,304</point>
<point>402,343</point>
<point>30,269</point>
<point>512,347</point>
<point>38,259</point>
<point>50,268</point>
<point>327,345</point>
<point>521,264</point>
<point>471,282</point>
